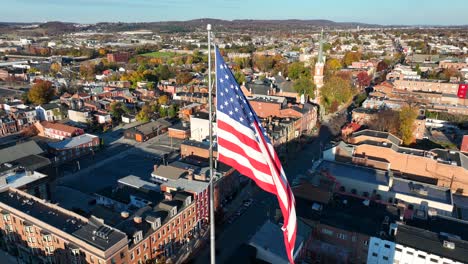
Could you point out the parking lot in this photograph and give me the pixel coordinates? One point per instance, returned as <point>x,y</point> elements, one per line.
<point>94,178</point>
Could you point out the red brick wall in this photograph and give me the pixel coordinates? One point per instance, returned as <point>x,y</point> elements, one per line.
<point>181,226</point>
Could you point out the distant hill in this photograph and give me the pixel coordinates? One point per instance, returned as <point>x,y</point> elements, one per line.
<point>56,27</point>
<point>220,25</point>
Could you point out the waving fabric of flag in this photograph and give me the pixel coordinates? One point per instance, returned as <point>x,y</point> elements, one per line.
<point>243,144</point>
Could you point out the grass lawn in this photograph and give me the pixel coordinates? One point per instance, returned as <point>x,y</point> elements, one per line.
<point>159,54</point>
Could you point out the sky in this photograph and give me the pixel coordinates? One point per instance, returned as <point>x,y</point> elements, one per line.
<point>384,12</point>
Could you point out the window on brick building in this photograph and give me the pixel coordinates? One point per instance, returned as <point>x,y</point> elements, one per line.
<point>132,256</point>
<point>122,254</point>
<point>138,251</point>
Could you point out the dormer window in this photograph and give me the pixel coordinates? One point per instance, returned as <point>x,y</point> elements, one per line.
<point>173,211</point>
<point>188,201</point>
<point>47,238</point>
<point>137,237</point>
<point>6,216</point>
<point>75,252</point>
<point>29,228</point>
<point>156,224</point>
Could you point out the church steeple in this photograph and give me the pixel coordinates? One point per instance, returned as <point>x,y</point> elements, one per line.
<point>320,53</point>
<point>319,68</point>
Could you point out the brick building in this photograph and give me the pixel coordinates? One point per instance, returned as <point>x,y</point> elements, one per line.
<point>119,57</point>
<point>180,130</point>
<point>57,130</point>
<point>148,130</point>
<point>8,126</point>
<point>427,86</point>
<point>40,232</point>
<point>452,65</point>
<point>75,147</point>
<point>341,230</point>
<point>440,167</point>
<point>157,222</point>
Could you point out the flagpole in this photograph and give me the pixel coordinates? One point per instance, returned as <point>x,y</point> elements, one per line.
<point>210,102</point>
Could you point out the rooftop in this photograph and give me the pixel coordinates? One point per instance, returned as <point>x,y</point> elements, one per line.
<point>421,190</point>
<point>201,115</point>
<point>137,183</point>
<point>66,221</point>
<point>270,237</point>
<point>19,151</point>
<point>430,235</point>
<point>50,106</point>
<point>378,134</point>
<point>59,126</point>
<point>19,178</point>
<point>355,172</point>
<point>72,142</point>
<point>124,194</point>
<point>349,213</point>
<point>168,172</point>
<point>149,127</point>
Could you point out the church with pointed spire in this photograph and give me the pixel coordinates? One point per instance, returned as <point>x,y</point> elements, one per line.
<point>319,69</point>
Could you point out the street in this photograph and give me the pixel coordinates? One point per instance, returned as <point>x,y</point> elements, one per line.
<point>244,227</point>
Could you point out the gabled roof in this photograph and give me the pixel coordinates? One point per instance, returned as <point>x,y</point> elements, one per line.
<point>72,142</point>
<point>59,127</point>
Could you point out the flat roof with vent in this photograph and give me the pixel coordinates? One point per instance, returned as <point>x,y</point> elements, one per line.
<point>66,221</point>
<point>440,236</point>
<point>424,191</point>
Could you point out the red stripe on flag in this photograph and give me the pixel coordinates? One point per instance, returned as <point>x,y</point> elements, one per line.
<point>223,125</point>
<point>239,150</point>
<point>246,172</point>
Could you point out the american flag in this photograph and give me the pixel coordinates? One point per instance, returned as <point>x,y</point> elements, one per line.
<point>244,144</point>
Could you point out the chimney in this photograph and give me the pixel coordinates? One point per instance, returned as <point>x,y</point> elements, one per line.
<point>124,214</point>
<point>289,105</point>
<point>190,174</point>
<point>203,176</point>
<point>155,167</point>
<point>393,229</point>
<point>168,196</point>
<point>137,219</point>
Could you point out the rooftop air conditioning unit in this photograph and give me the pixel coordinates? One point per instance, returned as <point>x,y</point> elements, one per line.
<point>449,244</point>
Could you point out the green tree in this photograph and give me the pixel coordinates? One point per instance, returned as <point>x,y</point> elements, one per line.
<point>240,77</point>
<point>162,111</point>
<point>163,99</point>
<point>55,67</point>
<point>297,70</point>
<point>407,117</point>
<point>332,65</point>
<point>184,77</point>
<point>163,72</point>
<point>172,111</point>
<point>418,69</point>
<point>41,92</point>
<point>263,63</point>
<point>335,92</point>
<point>145,114</point>
<point>350,57</point>
<point>117,109</point>
<point>87,70</point>
<point>304,86</point>
<point>33,70</point>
